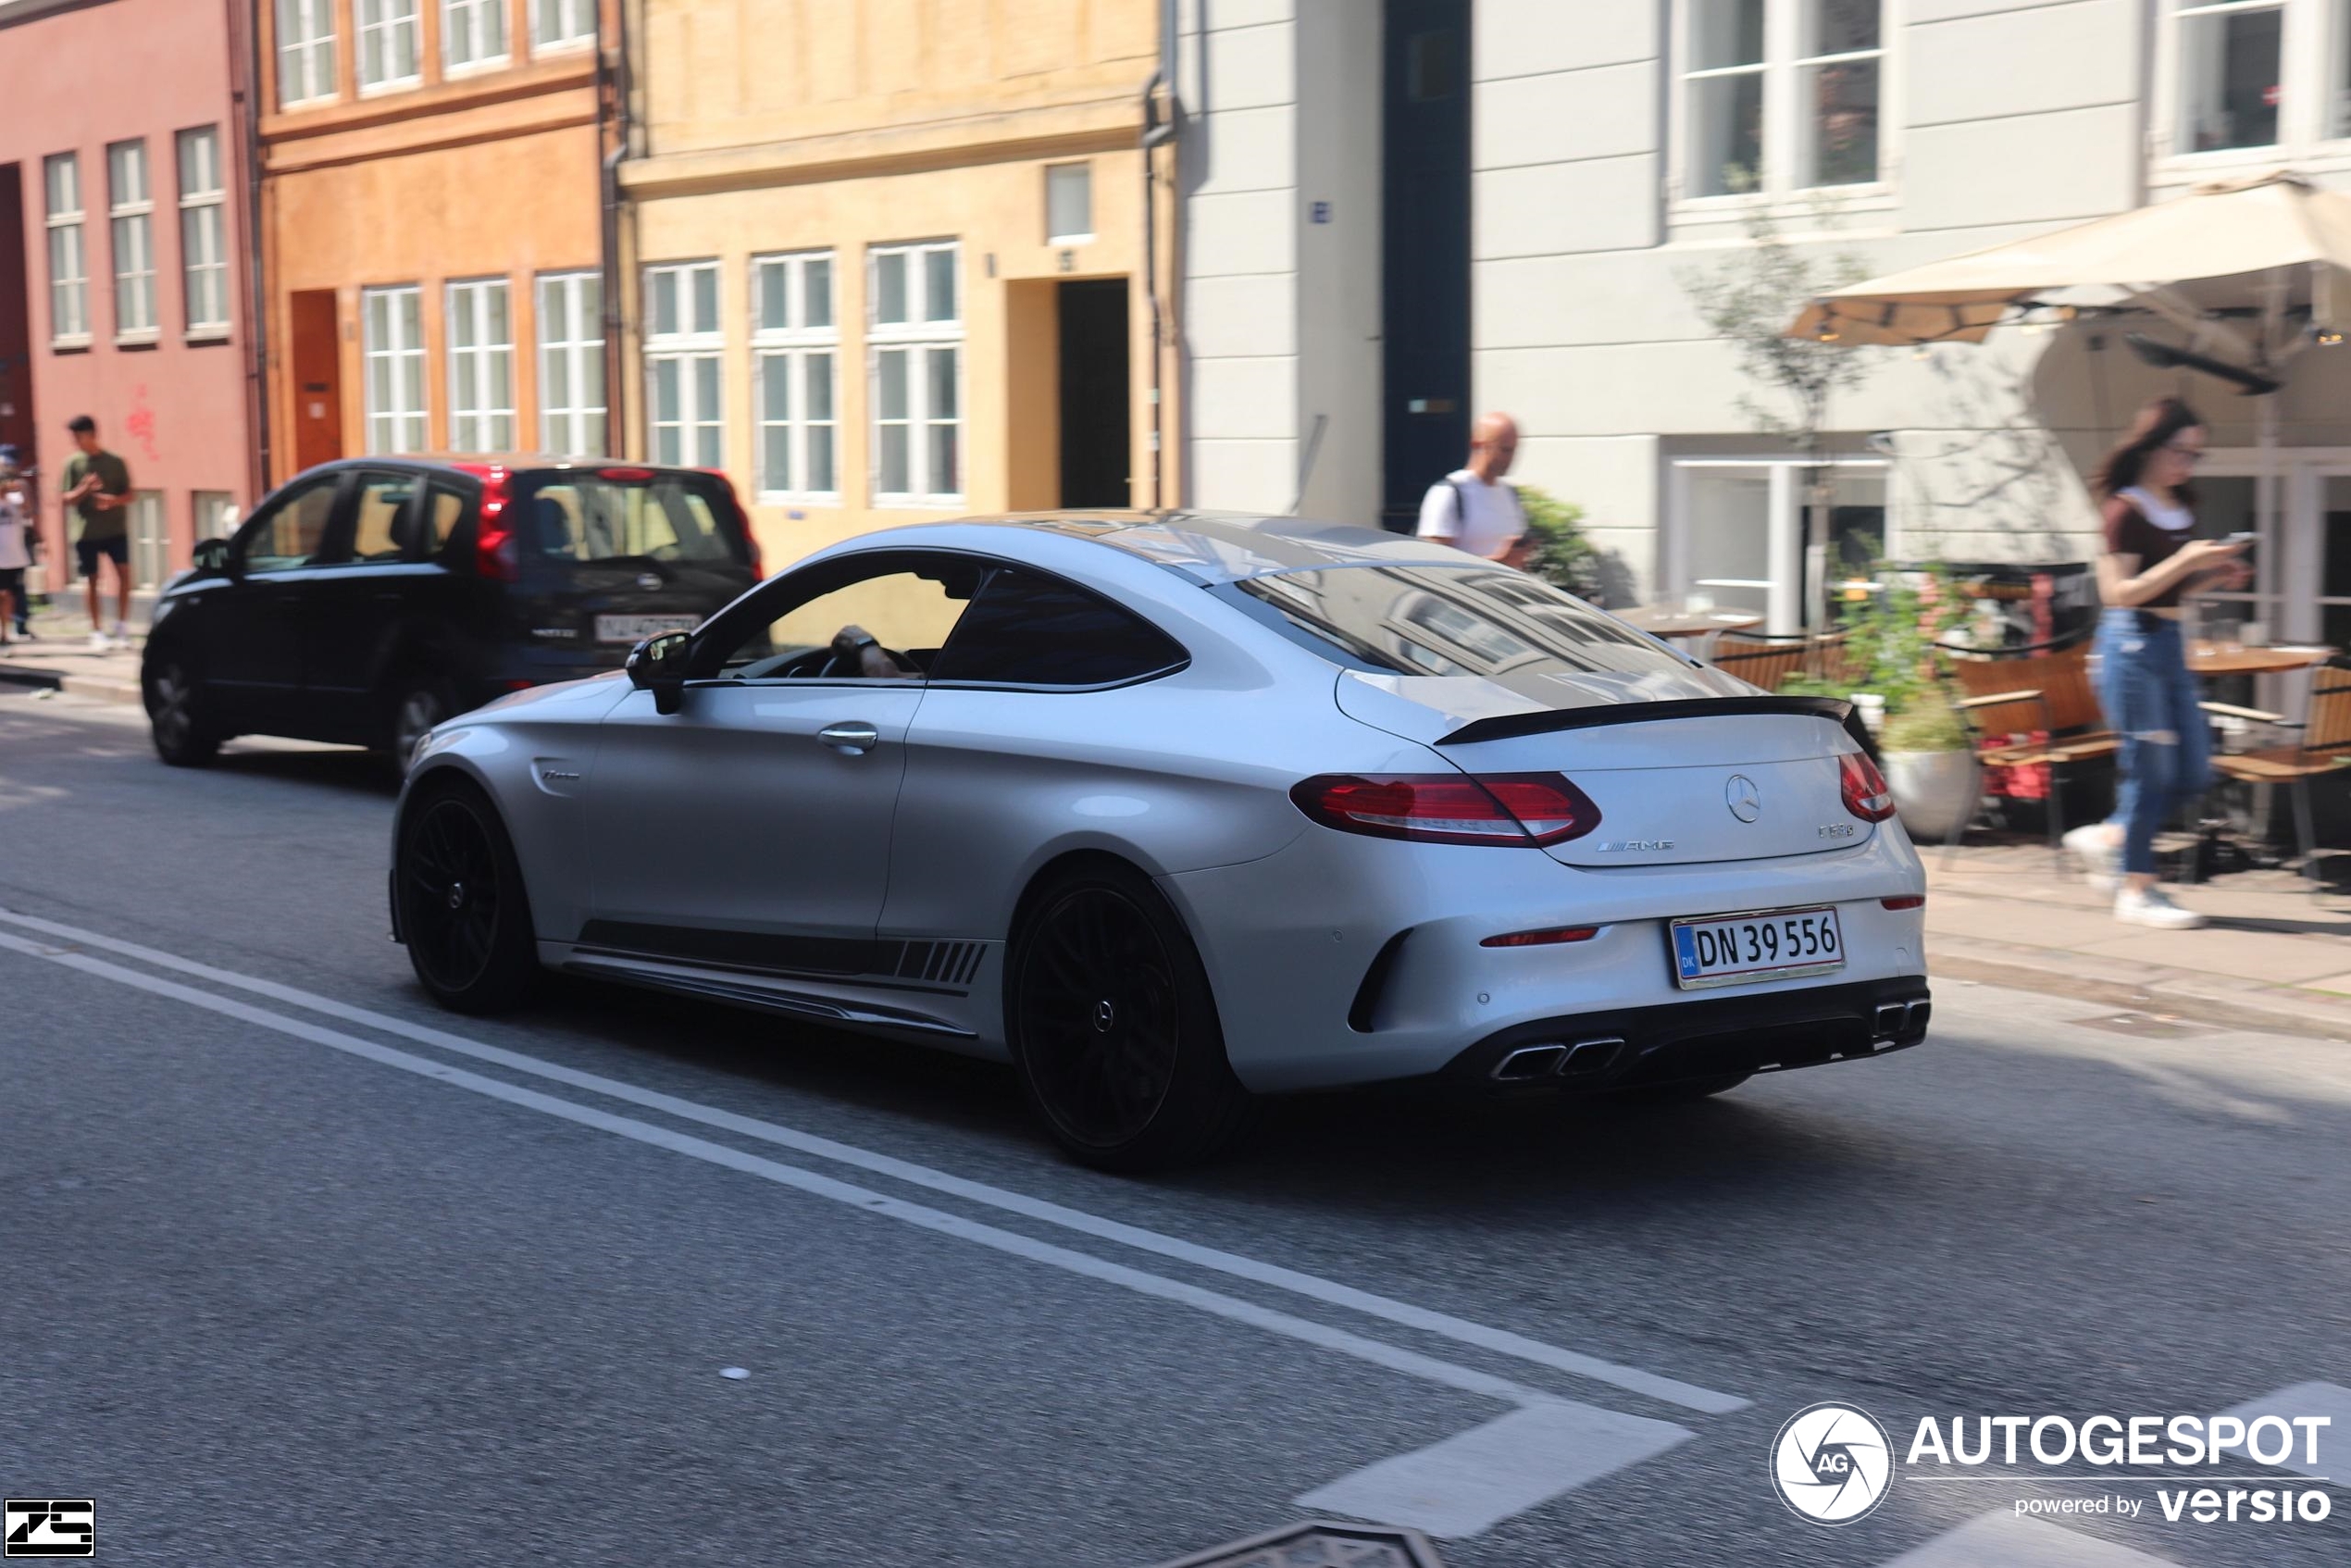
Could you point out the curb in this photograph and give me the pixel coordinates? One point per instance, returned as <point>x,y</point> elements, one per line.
<point>104,689</point>
<point>2212,999</point>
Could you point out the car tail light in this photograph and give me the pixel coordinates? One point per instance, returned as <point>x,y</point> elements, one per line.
<point>1908,901</point>
<point>1866,795</point>
<point>493,535</point>
<point>1512,810</point>
<point>1544,939</point>
<point>626,475</point>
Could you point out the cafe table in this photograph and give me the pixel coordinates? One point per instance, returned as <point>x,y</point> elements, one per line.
<point>2232,658</point>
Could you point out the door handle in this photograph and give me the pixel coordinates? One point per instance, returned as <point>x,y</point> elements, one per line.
<point>854,738</point>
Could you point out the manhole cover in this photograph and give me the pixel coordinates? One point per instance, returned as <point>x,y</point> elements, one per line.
<point>1322,1546</point>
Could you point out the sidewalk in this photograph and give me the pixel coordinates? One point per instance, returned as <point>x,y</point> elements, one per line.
<point>63,660</point>
<point>2273,956</point>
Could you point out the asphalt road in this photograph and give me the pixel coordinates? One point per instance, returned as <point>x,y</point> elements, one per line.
<point>304,1271</point>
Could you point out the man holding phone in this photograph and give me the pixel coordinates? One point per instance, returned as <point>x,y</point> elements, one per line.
<point>98,488</point>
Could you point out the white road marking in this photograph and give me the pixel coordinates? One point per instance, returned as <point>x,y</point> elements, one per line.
<point>1394,1358</point>
<point>1500,1342</point>
<point>1469,1483</point>
<point>2330,1399</point>
<point>2003,1540</point>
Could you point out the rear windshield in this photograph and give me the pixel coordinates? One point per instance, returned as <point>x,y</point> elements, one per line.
<point>1445,620</point>
<point>617,514</point>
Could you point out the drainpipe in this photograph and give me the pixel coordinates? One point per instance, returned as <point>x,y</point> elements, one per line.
<point>612,98</point>
<point>244,55</point>
<point>1157,133</point>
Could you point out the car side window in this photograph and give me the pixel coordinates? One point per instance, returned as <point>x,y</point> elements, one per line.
<point>287,532</point>
<point>444,510</point>
<point>383,518</point>
<point>1029,629</point>
<point>813,624</point>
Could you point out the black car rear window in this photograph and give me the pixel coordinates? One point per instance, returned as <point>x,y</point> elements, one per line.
<point>1445,620</point>
<point>631,514</point>
<point>1028,629</point>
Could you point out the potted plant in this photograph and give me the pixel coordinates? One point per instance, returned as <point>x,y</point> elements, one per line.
<point>1889,630</point>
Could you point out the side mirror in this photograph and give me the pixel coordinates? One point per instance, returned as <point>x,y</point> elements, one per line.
<point>210,557</point>
<point>658,665</point>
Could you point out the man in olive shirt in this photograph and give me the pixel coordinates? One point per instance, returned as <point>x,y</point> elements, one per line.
<point>98,486</point>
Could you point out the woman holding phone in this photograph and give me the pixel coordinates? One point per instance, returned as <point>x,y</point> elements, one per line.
<point>2151,567</point>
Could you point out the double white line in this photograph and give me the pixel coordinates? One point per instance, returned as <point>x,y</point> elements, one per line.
<point>1632,1436</point>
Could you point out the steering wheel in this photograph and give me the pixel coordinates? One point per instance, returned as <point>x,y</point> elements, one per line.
<point>847,667</point>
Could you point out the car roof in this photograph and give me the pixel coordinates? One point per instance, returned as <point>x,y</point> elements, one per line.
<point>1227,546</point>
<point>480,463</point>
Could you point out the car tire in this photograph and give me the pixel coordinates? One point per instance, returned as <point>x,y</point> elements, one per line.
<point>184,735</point>
<point>463,912</point>
<point>1112,1025</point>
<point>418,701</point>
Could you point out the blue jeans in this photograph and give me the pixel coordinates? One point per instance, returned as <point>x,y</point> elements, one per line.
<point>2150,700</point>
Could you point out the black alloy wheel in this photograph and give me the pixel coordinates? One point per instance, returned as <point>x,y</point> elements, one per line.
<point>175,714</point>
<point>1113,1026</point>
<point>462,909</point>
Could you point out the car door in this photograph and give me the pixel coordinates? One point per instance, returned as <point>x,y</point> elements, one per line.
<point>750,829</point>
<point>251,643</point>
<point>358,596</point>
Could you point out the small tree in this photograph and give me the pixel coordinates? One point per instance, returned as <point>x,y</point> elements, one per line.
<point>1563,556</point>
<point>1749,300</point>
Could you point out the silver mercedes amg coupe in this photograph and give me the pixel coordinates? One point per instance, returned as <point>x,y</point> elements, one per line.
<point>1171,810</point>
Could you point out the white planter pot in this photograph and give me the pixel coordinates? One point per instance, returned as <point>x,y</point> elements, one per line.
<point>1930,791</point>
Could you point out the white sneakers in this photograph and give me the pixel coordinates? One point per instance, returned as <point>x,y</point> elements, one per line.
<point>102,641</point>
<point>2151,907</point>
<point>2100,856</point>
<point>98,644</point>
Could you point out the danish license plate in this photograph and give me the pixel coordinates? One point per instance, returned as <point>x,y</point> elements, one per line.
<point>1771,944</point>
<point>633,629</point>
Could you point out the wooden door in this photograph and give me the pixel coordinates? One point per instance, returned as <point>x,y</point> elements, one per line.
<point>316,357</point>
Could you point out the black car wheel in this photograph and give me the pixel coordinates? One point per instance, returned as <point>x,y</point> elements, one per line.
<point>418,704</point>
<point>463,911</point>
<point>175,718</point>
<point>1113,1027</point>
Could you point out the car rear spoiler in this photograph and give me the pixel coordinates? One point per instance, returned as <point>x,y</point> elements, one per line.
<point>1504,726</point>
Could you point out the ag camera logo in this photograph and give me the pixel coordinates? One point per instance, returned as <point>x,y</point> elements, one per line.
<point>1832,1463</point>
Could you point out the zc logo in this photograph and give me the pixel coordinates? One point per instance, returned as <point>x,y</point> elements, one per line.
<point>50,1527</point>
<point>1831,1464</point>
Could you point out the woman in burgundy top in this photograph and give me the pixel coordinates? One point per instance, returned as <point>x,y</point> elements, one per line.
<point>2151,565</point>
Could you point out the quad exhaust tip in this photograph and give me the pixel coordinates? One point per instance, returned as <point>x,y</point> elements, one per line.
<point>1586,1058</point>
<point>1901,1021</point>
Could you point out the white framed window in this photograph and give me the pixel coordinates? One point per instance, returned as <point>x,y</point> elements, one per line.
<point>481,366</point>
<point>915,354</point>
<point>391,45</point>
<point>1777,96</point>
<point>305,51</point>
<point>1734,533</point>
<point>1069,204</point>
<point>393,344</point>
<point>571,363</point>
<point>204,247</point>
<point>795,375</point>
<point>2231,74</point>
<point>685,407</point>
<point>473,35</point>
<point>2251,82</point>
<point>131,225</point>
<point>69,260</point>
<point>556,24</point>
<point>150,539</point>
<point>216,513</point>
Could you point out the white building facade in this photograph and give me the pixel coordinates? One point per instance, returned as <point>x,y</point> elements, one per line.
<point>1361,174</point>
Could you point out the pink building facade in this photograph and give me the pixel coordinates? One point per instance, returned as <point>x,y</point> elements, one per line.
<point>124,282</point>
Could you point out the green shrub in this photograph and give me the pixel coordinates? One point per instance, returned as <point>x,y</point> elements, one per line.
<point>1562,556</point>
<point>1926,726</point>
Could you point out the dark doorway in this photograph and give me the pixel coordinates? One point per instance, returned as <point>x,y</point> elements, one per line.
<point>316,357</point>
<point>1098,431</point>
<point>1424,250</point>
<point>16,317</point>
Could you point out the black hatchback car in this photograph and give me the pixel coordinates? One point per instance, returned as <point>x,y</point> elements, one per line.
<point>366,600</point>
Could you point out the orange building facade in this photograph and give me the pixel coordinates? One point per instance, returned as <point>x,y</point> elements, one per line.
<point>431,218</point>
